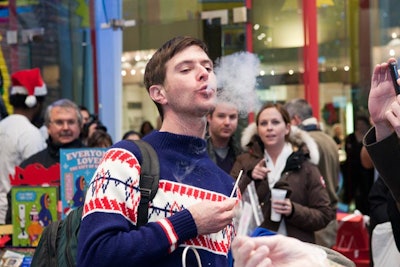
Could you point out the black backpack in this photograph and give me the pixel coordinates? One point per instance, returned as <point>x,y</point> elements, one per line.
<point>59,241</point>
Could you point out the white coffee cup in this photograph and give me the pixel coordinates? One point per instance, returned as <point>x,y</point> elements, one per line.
<point>277,194</point>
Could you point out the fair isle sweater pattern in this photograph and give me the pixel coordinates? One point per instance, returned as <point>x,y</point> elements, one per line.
<point>120,194</point>
<point>173,197</point>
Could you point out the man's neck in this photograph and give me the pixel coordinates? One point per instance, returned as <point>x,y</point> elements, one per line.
<point>219,142</point>
<point>310,121</point>
<point>310,124</point>
<point>274,152</point>
<point>185,126</point>
<point>24,112</point>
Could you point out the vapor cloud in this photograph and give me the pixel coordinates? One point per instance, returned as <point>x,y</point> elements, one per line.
<point>236,80</point>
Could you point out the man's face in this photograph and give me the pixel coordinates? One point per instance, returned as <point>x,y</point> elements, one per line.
<point>190,83</point>
<point>64,126</point>
<point>223,122</point>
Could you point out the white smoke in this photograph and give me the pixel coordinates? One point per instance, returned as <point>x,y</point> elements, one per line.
<point>236,79</point>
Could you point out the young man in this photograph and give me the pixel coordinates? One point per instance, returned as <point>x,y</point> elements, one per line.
<point>192,207</point>
<point>222,124</point>
<point>19,138</point>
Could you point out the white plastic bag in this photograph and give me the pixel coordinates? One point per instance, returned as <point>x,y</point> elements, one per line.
<point>383,246</point>
<point>250,215</point>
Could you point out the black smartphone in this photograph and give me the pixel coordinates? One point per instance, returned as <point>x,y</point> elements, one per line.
<point>395,75</point>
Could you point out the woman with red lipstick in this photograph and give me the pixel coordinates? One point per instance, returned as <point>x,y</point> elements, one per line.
<point>278,156</point>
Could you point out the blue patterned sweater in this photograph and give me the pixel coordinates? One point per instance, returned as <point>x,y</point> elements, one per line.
<point>108,234</point>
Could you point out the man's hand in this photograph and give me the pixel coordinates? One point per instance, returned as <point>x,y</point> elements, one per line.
<point>277,251</point>
<point>381,97</point>
<point>211,217</point>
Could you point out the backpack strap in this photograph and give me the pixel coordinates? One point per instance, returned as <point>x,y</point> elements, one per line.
<point>149,178</point>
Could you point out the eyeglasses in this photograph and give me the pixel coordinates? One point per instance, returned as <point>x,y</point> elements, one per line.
<point>60,123</point>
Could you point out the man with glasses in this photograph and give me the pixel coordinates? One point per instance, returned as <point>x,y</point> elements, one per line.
<point>19,138</point>
<point>63,121</point>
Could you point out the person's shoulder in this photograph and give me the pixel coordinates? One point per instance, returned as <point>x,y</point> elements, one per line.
<point>244,155</point>
<point>128,145</point>
<point>5,120</point>
<point>124,144</point>
<point>324,140</point>
<point>36,158</point>
<point>308,164</point>
<point>16,121</point>
<point>310,168</point>
<point>321,135</point>
<point>33,131</point>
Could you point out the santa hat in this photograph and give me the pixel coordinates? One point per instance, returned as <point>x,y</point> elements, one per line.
<point>30,83</point>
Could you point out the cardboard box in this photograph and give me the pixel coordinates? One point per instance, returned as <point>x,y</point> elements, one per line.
<point>33,208</point>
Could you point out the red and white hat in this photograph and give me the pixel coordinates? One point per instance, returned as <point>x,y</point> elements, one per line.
<point>30,83</point>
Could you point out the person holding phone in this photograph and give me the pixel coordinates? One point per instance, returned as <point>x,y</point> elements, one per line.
<point>382,140</point>
<point>395,76</point>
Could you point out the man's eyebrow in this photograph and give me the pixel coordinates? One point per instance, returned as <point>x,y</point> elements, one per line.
<point>184,62</point>
<point>207,61</point>
<point>189,62</point>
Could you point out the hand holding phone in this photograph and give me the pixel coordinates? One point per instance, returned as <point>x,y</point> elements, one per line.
<point>395,75</point>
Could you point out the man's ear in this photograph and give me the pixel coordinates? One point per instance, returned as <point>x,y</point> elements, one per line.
<point>296,120</point>
<point>157,93</point>
<point>209,117</point>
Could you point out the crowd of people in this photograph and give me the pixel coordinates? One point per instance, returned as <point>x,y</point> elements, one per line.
<point>65,125</point>
<point>201,160</point>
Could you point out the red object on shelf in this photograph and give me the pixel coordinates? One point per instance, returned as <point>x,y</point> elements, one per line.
<point>353,238</point>
<point>36,174</point>
<point>3,240</point>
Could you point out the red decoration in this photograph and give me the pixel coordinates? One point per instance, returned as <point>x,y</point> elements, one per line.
<point>330,114</point>
<point>36,174</point>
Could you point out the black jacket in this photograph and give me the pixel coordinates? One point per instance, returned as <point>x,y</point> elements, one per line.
<point>50,155</point>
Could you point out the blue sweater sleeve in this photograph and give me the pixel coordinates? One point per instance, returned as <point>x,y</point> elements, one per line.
<point>108,234</point>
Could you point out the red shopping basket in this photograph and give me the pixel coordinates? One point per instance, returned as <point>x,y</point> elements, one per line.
<point>353,238</point>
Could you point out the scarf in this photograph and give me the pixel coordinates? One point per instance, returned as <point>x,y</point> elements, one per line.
<point>276,170</point>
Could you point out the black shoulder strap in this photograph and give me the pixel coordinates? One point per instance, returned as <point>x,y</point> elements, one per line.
<point>149,177</point>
